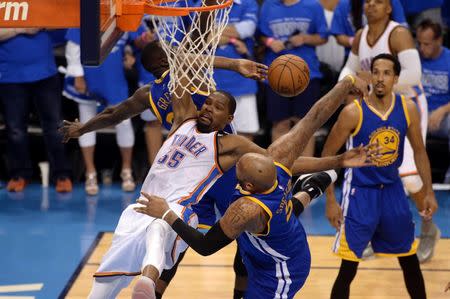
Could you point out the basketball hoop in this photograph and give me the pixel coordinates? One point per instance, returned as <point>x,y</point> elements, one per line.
<point>190,49</point>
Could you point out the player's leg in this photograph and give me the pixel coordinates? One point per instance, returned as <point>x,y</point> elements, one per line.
<point>87,145</point>
<point>125,140</point>
<point>395,236</point>
<point>413,276</point>
<point>241,276</point>
<point>279,113</point>
<point>108,287</point>
<point>341,286</point>
<point>166,277</point>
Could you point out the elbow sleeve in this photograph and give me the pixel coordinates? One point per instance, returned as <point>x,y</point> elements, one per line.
<point>411,69</point>
<point>204,245</point>
<point>351,66</point>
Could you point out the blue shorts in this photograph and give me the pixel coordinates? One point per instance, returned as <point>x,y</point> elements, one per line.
<point>284,278</point>
<point>280,108</point>
<point>378,214</point>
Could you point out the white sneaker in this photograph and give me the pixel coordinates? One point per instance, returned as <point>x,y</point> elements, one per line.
<point>91,185</point>
<point>428,239</point>
<point>128,184</point>
<point>368,253</point>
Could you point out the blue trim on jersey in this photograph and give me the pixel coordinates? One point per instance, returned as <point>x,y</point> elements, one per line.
<point>195,197</point>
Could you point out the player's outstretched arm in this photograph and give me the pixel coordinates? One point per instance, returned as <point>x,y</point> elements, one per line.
<point>247,68</point>
<point>361,156</point>
<point>421,158</point>
<point>242,215</point>
<point>289,147</point>
<point>113,115</point>
<point>347,122</point>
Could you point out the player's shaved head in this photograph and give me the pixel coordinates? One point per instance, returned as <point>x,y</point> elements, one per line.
<point>256,173</point>
<point>154,59</point>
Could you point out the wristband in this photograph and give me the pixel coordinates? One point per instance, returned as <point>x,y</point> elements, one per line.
<point>232,40</point>
<point>269,41</point>
<point>165,214</point>
<point>351,78</point>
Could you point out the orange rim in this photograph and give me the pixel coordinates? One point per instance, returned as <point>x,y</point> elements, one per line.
<point>154,9</point>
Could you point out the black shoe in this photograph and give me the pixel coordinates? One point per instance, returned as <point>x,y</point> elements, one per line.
<point>314,183</point>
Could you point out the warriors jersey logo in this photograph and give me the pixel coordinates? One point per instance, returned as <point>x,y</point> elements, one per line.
<point>388,138</point>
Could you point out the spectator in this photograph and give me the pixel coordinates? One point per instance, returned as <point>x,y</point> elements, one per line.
<point>91,85</point>
<point>349,17</point>
<point>237,41</point>
<point>419,10</point>
<point>28,73</point>
<point>331,53</point>
<point>152,128</point>
<point>292,27</point>
<point>435,79</point>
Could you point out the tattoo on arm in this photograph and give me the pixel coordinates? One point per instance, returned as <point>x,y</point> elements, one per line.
<point>243,215</point>
<point>289,147</point>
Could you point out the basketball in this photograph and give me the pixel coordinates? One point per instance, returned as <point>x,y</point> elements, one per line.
<point>288,75</point>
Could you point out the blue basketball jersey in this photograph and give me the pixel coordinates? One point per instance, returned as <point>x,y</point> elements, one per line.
<point>389,131</point>
<point>161,102</point>
<point>277,260</point>
<point>283,228</point>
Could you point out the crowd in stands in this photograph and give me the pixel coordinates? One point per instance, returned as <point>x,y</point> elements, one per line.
<point>321,32</point>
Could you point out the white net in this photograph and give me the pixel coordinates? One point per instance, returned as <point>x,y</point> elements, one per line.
<point>190,43</point>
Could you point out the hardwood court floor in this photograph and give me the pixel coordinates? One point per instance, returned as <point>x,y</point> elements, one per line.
<point>213,277</point>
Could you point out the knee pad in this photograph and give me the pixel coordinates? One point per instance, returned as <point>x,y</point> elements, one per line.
<point>412,183</point>
<point>125,134</point>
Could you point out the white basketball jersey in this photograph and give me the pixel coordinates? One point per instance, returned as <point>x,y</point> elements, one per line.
<point>367,53</point>
<point>185,166</point>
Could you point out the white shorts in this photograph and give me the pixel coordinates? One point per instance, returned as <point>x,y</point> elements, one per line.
<point>128,249</point>
<point>246,115</point>
<point>408,166</point>
<point>148,115</point>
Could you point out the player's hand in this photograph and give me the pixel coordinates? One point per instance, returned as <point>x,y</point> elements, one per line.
<point>297,40</point>
<point>334,213</point>
<point>361,156</point>
<point>151,205</point>
<point>365,75</point>
<point>70,130</point>
<point>435,119</point>
<point>360,87</point>
<point>429,206</point>
<point>277,46</point>
<point>80,85</point>
<point>252,70</point>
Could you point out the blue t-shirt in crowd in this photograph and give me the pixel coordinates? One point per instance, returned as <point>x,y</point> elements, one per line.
<point>234,83</point>
<point>27,58</point>
<point>280,21</point>
<point>417,6</point>
<point>107,81</point>
<point>435,79</point>
<point>342,23</point>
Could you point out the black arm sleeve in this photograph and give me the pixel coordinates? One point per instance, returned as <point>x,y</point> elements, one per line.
<point>204,245</point>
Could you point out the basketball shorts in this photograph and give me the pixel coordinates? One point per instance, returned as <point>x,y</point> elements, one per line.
<point>128,249</point>
<point>378,214</point>
<point>280,108</point>
<point>408,166</point>
<point>246,115</point>
<point>277,279</point>
<point>206,213</point>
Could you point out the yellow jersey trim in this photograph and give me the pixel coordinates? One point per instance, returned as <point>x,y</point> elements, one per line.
<point>287,170</point>
<point>405,110</point>
<point>412,251</point>
<point>201,92</point>
<point>388,112</point>
<point>154,109</point>
<point>266,209</point>
<point>162,77</point>
<point>360,120</point>
<point>243,192</point>
<point>204,226</point>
